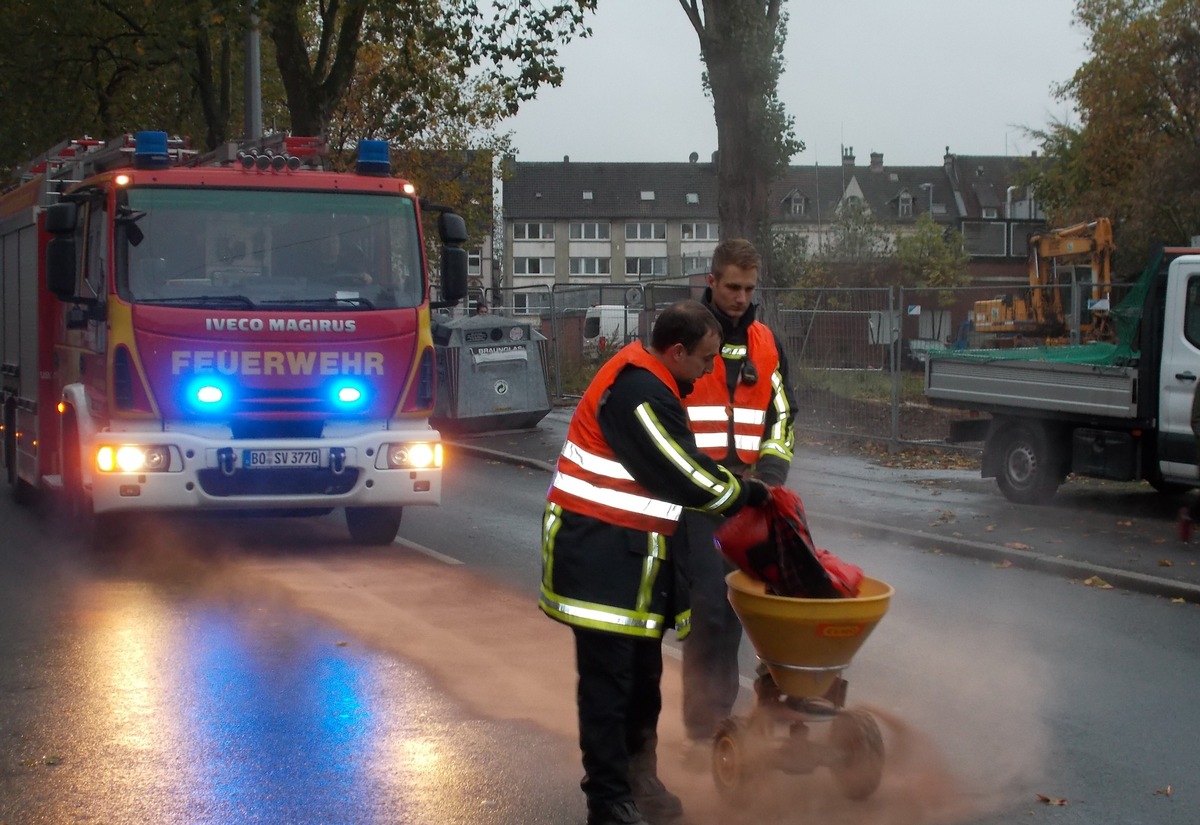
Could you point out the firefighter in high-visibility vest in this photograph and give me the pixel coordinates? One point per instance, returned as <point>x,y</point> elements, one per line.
<point>742,414</point>
<point>628,468</point>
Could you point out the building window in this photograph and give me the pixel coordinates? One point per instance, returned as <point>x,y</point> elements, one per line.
<point>475,262</point>
<point>796,205</point>
<point>647,195</point>
<point>589,266</point>
<point>697,264</point>
<point>906,204</point>
<point>984,239</point>
<point>533,266</point>
<point>989,213</point>
<point>643,268</point>
<point>692,198</point>
<point>589,231</point>
<point>587,194</point>
<point>533,231</point>
<point>645,231</point>
<point>530,303</point>
<point>701,231</point>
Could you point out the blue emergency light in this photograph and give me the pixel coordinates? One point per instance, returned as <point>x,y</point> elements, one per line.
<point>374,157</point>
<point>349,395</point>
<point>150,151</point>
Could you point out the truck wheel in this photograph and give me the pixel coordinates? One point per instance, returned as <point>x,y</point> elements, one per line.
<point>1029,471</point>
<point>373,525</point>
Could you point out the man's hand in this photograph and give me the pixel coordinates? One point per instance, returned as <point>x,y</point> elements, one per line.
<point>757,493</point>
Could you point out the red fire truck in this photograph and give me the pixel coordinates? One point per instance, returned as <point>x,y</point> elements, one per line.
<point>244,331</point>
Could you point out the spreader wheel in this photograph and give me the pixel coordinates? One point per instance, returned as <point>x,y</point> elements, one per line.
<point>735,766</point>
<point>859,767</point>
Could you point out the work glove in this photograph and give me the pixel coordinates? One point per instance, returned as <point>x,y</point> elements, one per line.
<point>757,493</point>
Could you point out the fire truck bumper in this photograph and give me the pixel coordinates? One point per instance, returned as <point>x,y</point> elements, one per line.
<point>183,471</point>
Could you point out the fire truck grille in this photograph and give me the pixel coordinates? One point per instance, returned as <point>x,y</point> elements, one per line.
<point>321,482</point>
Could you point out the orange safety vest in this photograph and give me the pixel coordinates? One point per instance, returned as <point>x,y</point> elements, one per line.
<point>590,479</point>
<point>712,413</point>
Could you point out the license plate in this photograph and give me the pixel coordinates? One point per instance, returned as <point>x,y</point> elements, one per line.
<point>256,459</point>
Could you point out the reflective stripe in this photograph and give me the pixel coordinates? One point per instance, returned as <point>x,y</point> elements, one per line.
<point>746,415</point>
<point>734,350</point>
<point>628,502</point>
<point>747,442</point>
<point>708,413</point>
<point>593,463</point>
<point>708,440</point>
<point>671,450</point>
<point>600,617</point>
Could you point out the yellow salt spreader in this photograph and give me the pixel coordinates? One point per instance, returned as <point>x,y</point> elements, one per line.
<point>803,645</point>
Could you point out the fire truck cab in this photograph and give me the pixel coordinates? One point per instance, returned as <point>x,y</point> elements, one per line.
<point>241,332</point>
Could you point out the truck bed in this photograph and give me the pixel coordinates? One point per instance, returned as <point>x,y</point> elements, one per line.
<point>1075,389</point>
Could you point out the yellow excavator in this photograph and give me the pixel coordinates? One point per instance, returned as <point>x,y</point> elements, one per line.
<point>1038,316</point>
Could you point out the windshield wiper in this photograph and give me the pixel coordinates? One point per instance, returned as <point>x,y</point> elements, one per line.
<point>335,303</point>
<point>203,300</point>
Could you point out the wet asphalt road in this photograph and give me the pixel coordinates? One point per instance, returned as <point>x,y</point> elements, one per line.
<point>268,672</point>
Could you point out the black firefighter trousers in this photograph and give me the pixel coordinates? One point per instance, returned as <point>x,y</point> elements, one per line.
<point>619,701</point>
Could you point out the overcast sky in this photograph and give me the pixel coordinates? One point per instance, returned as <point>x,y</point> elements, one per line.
<point>902,77</point>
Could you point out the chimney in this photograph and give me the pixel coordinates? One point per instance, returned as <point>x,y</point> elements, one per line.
<point>877,161</point>
<point>948,161</point>
<point>848,156</point>
<point>566,158</point>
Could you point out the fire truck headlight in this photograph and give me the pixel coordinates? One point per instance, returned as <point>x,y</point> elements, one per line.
<point>129,458</point>
<point>416,456</point>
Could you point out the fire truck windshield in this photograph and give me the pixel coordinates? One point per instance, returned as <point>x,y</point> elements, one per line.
<point>238,247</point>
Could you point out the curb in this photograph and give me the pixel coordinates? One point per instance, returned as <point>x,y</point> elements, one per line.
<point>985,551</point>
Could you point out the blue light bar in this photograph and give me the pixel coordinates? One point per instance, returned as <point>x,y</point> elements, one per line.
<point>374,157</point>
<point>150,151</point>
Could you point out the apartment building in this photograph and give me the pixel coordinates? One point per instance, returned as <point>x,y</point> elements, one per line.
<point>617,223</point>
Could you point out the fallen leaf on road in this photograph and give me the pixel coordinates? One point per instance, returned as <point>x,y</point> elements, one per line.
<point>1159,541</point>
<point>1052,800</point>
<point>1001,565</point>
<point>1165,563</point>
<point>1016,545</point>
<point>1164,791</point>
<point>1124,523</point>
<point>1178,601</point>
<point>1098,583</point>
<point>990,528</point>
<point>52,760</point>
<point>340,644</point>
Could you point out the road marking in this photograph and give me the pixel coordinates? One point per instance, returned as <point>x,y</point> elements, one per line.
<point>433,554</point>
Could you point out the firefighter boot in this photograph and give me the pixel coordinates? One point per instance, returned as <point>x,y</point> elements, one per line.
<point>615,813</point>
<point>655,802</point>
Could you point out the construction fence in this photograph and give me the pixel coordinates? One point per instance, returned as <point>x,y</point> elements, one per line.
<point>856,357</point>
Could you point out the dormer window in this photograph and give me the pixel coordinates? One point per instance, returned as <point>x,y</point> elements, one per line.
<point>794,203</point>
<point>989,213</point>
<point>905,205</point>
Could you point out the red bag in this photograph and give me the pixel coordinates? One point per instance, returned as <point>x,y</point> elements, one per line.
<point>772,544</point>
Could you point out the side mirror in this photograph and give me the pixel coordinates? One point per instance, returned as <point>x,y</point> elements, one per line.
<point>60,266</point>
<point>61,218</point>
<point>454,274</point>
<point>452,229</point>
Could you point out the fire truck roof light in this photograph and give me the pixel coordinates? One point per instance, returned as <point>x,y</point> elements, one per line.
<point>150,151</point>
<point>374,157</point>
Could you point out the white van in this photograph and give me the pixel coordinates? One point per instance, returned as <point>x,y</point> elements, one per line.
<point>607,328</point>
